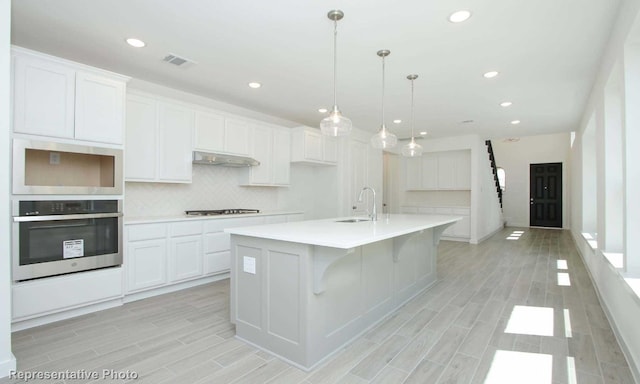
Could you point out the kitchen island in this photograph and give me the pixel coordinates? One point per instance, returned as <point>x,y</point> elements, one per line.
<point>303,290</point>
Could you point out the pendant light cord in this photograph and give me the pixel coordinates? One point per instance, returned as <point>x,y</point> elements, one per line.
<point>383,126</point>
<point>412,119</point>
<point>335,62</point>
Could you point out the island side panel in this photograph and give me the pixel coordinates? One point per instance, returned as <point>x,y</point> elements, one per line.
<point>268,305</point>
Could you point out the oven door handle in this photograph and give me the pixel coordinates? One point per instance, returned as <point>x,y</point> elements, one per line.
<point>80,216</point>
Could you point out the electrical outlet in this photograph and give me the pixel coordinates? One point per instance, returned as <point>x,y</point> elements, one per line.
<point>249,265</point>
<point>54,158</point>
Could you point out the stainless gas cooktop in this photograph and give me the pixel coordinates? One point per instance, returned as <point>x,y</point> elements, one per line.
<point>213,212</point>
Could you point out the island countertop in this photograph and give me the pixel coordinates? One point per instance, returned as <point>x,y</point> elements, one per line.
<point>345,235</point>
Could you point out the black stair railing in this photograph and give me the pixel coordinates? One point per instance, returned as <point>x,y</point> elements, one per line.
<point>494,169</point>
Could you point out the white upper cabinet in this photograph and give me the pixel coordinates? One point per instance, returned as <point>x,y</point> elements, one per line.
<point>450,170</point>
<point>56,98</point>
<point>219,134</point>
<point>158,140</point>
<point>270,146</point>
<point>209,132</point>
<point>311,147</point>
<point>175,128</point>
<point>99,108</point>
<point>141,139</point>
<point>236,137</point>
<point>44,94</point>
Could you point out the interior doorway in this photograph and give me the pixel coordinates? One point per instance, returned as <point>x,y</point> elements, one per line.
<point>545,197</point>
<point>390,183</point>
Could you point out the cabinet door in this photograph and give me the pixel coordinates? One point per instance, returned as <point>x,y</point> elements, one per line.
<point>281,157</point>
<point>175,127</point>
<point>185,258</point>
<point>446,173</point>
<point>262,150</point>
<point>209,131</point>
<point>44,94</point>
<point>236,137</point>
<point>429,171</point>
<point>330,149</point>
<point>141,139</point>
<point>313,146</point>
<point>146,263</point>
<point>99,108</point>
<point>413,173</point>
<point>463,170</point>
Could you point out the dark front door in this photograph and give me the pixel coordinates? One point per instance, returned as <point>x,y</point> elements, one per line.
<point>546,195</point>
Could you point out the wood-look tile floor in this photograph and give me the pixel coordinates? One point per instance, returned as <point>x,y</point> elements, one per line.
<point>517,310</point>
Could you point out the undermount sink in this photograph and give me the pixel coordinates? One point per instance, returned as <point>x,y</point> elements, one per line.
<point>351,220</point>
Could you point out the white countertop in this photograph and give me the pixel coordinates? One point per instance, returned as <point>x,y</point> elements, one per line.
<point>329,233</point>
<point>183,217</point>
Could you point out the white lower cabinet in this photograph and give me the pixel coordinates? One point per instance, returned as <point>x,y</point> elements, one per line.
<point>460,230</point>
<point>185,258</point>
<point>162,254</point>
<point>51,295</point>
<point>146,264</point>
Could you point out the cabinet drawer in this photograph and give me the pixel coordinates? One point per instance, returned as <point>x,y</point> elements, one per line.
<point>186,228</point>
<point>216,242</point>
<point>217,262</point>
<point>147,231</point>
<point>443,211</point>
<point>426,210</point>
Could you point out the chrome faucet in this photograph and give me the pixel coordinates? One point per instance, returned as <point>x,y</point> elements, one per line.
<point>373,215</point>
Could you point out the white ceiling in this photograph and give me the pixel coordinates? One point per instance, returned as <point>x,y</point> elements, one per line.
<point>547,53</point>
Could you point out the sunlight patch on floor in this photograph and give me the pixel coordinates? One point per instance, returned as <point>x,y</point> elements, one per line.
<point>563,279</point>
<point>527,320</point>
<point>509,367</point>
<point>562,264</point>
<point>515,235</point>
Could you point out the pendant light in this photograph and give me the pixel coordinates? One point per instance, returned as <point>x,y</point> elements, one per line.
<point>412,149</point>
<point>335,124</point>
<point>383,139</point>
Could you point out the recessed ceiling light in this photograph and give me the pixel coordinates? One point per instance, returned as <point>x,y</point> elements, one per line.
<point>459,16</point>
<point>397,121</point>
<point>255,85</point>
<point>506,104</point>
<point>467,121</point>
<point>423,133</point>
<point>514,122</point>
<point>322,110</point>
<point>136,42</point>
<point>490,74</point>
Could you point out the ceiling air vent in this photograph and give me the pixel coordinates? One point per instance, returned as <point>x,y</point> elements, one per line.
<point>178,61</point>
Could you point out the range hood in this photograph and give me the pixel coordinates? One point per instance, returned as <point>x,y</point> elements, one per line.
<point>224,160</point>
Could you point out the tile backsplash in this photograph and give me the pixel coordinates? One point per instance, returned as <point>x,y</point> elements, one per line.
<point>213,187</point>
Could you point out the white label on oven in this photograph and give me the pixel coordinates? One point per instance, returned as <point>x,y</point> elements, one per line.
<point>72,248</point>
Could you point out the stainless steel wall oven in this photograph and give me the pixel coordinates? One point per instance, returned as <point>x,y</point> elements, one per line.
<point>55,237</point>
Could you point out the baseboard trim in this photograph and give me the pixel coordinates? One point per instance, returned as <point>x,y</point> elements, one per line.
<point>135,296</point>
<point>635,370</point>
<point>20,325</point>
<point>7,366</point>
<point>485,237</point>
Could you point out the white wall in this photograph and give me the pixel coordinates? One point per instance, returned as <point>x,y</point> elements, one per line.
<point>7,361</point>
<point>515,158</point>
<point>621,305</point>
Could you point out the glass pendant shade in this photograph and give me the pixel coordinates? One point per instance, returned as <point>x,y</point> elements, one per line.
<point>412,149</point>
<point>384,139</point>
<point>335,124</point>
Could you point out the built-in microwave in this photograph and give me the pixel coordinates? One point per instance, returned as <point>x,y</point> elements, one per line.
<point>51,168</point>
